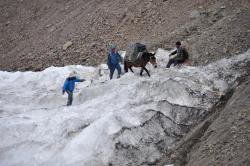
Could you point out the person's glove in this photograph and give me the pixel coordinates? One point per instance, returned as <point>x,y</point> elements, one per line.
<point>63,92</point>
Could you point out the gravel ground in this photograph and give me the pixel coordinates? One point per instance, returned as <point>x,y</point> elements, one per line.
<point>34,33</point>
<point>227,140</point>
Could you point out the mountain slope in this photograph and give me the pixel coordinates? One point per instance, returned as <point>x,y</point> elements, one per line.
<point>226,141</point>
<point>33,32</point>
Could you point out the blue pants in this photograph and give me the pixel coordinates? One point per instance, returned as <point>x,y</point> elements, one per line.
<point>70,97</point>
<point>112,69</point>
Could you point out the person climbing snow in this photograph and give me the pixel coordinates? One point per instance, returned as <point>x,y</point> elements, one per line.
<point>182,55</point>
<point>114,58</point>
<point>69,86</point>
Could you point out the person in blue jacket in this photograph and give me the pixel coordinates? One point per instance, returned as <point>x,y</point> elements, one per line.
<point>114,58</point>
<point>69,86</point>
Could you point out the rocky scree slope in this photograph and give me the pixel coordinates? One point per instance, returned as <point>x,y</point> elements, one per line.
<point>33,32</point>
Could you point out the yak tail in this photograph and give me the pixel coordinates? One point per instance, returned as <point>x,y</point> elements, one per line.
<point>125,66</point>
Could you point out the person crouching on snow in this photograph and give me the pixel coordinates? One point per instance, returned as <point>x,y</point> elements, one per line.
<point>114,58</point>
<point>69,86</point>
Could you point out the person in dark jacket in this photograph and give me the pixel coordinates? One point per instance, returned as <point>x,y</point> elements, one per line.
<point>69,86</point>
<point>114,58</point>
<point>182,55</point>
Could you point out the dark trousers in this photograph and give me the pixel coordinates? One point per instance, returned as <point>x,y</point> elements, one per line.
<point>70,97</point>
<point>175,62</point>
<point>112,70</point>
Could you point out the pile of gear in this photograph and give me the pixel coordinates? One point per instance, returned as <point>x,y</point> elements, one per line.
<point>134,51</point>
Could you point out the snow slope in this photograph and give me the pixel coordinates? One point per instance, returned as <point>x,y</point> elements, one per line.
<point>126,121</point>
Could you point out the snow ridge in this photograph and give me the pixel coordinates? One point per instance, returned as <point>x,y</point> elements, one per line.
<point>126,121</point>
